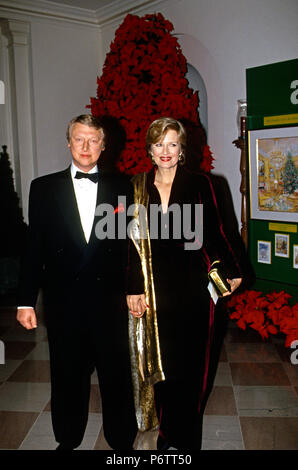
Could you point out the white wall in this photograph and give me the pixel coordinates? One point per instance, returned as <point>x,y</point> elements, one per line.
<point>221,38</point>
<point>65,60</point>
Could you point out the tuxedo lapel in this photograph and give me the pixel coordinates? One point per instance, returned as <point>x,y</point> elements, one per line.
<point>66,200</point>
<point>103,197</point>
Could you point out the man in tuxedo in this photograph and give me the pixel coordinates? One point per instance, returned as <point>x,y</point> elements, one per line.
<point>83,280</point>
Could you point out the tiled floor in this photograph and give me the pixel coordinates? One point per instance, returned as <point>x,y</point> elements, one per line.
<point>253,404</point>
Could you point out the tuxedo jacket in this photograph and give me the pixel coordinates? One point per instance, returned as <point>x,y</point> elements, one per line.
<point>75,275</point>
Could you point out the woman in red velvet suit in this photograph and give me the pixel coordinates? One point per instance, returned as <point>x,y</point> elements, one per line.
<point>179,283</point>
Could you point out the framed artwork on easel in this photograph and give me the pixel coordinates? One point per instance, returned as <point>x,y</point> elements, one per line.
<point>273,160</point>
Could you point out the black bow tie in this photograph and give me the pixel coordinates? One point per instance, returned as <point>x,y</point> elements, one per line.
<point>91,176</point>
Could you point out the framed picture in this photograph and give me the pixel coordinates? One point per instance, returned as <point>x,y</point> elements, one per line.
<point>273,163</point>
<point>282,245</point>
<point>264,252</point>
<point>295,256</point>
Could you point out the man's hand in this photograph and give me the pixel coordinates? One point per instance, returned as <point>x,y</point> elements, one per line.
<point>27,318</point>
<point>136,304</point>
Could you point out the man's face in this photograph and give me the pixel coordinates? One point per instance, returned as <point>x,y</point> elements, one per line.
<point>86,145</point>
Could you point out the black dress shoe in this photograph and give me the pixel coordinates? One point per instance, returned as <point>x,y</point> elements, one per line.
<point>162,444</point>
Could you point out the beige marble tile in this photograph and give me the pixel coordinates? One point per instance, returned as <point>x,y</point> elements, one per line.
<point>270,433</point>
<point>7,369</point>
<point>292,372</point>
<point>28,396</point>
<point>32,371</point>
<point>41,436</point>
<point>223,375</point>
<point>94,378</point>
<point>221,402</point>
<point>18,349</point>
<point>236,335</point>
<point>222,433</point>
<point>101,443</point>
<point>93,429</point>
<point>40,352</point>
<point>252,352</point>
<point>256,373</point>
<point>95,399</point>
<point>47,406</point>
<point>284,353</point>
<point>14,428</point>
<point>266,401</point>
<point>223,354</point>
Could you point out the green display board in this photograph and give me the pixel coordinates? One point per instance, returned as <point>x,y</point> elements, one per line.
<point>272,123</point>
<point>272,95</point>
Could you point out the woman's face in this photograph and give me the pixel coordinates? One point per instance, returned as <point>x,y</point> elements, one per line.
<point>165,153</point>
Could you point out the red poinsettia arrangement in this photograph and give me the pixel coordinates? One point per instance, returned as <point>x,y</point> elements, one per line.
<point>266,313</point>
<point>143,79</point>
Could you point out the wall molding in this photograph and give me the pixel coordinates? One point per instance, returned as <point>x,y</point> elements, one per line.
<point>49,10</point>
<point>116,10</point>
<point>97,18</point>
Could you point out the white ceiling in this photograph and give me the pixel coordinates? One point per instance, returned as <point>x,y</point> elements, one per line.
<point>87,4</point>
<point>94,12</point>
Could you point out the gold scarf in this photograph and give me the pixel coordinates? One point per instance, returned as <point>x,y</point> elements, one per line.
<point>143,332</point>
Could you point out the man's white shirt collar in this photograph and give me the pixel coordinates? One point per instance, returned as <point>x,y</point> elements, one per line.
<point>74,169</point>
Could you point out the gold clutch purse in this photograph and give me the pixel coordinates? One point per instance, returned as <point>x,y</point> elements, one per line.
<point>218,278</point>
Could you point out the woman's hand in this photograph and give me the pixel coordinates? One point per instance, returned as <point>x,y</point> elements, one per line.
<point>234,284</point>
<point>136,304</point>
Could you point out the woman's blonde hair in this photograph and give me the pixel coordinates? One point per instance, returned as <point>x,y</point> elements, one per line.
<point>158,129</point>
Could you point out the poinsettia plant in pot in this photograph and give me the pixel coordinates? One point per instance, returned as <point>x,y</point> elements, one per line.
<point>143,78</point>
<point>269,314</point>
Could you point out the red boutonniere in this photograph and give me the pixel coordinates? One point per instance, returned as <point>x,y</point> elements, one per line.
<point>119,208</point>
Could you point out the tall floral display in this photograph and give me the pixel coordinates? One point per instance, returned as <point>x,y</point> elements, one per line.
<point>143,79</point>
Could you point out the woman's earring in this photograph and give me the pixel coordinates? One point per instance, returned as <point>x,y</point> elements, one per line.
<point>152,159</point>
<point>181,158</point>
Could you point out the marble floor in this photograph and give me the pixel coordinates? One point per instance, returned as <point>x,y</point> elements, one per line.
<point>253,404</point>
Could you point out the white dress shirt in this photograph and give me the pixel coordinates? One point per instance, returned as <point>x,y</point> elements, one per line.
<point>86,193</point>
